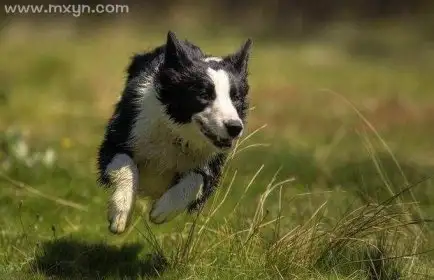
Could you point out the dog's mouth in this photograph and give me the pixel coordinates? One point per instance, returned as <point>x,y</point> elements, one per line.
<point>219,142</point>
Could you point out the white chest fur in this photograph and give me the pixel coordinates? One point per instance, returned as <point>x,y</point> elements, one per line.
<point>159,157</point>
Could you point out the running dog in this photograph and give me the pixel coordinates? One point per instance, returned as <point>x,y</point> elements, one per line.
<point>178,117</point>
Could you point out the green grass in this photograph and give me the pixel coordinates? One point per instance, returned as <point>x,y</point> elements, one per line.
<point>335,186</point>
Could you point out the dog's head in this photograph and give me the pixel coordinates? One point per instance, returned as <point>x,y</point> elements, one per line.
<point>208,93</point>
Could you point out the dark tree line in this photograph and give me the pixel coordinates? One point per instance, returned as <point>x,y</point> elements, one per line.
<point>315,10</point>
<point>273,15</point>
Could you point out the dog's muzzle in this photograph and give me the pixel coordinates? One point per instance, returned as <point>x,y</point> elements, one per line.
<point>219,142</point>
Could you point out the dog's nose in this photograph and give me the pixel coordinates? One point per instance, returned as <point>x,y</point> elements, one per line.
<point>234,128</point>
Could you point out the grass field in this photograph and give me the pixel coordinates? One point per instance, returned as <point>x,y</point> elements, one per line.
<point>333,181</point>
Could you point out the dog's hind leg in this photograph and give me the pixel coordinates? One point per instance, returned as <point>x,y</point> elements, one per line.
<point>123,175</point>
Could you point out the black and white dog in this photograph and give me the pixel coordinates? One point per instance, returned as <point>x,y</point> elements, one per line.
<point>179,115</point>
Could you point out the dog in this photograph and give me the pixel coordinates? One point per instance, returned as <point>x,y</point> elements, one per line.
<point>178,117</point>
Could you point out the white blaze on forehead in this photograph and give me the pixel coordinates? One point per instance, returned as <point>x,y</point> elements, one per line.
<point>222,106</point>
<point>218,59</point>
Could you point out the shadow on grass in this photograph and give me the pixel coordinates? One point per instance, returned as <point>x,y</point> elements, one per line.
<point>72,259</point>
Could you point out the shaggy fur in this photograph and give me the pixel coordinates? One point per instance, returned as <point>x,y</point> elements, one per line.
<point>179,115</point>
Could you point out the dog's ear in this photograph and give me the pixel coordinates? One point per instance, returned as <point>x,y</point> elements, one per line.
<point>176,54</point>
<point>240,58</point>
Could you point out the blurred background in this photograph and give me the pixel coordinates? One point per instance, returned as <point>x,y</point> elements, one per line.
<point>342,96</point>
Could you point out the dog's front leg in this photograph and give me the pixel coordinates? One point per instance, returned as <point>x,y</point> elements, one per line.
<point>123,174</point>
<point>211,173</point>
<point>177,198</point>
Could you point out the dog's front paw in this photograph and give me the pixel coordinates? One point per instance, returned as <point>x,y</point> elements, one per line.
<point>118,220</point>
<point>163,210</point>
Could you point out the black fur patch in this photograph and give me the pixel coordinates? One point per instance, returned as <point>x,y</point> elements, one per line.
<point>117,134</point>
<point>211,174</point>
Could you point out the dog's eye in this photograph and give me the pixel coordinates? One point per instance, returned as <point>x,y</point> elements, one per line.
<point>203,96</point>
<point>207,93</point>
<point>233,93</point>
